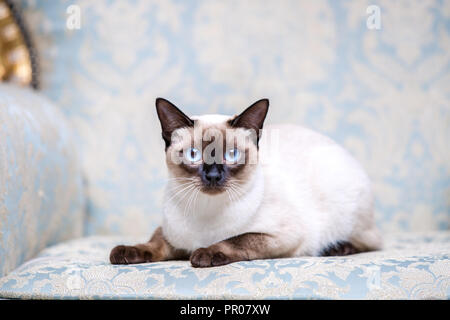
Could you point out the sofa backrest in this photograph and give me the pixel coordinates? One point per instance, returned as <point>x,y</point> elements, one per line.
<point>378,87</point>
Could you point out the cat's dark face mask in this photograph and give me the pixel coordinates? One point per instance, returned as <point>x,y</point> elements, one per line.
<point>213,175</point>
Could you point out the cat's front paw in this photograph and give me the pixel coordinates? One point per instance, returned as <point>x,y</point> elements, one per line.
<point>208,257</point>
<point>129,255</point>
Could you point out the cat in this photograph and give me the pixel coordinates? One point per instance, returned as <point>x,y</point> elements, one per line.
<point>244,201</point>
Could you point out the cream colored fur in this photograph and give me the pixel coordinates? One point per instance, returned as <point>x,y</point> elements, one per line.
<point>308,195</point>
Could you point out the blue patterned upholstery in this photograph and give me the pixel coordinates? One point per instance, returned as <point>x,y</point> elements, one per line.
<point>383,94</point>
<point>411,267</point>
<point>41,198</point>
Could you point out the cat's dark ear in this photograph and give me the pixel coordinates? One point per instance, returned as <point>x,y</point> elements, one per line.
<point>171,118</point>
<point>252,117</point>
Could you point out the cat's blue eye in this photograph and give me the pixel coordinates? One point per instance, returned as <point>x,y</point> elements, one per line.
<point>232,155</point>
<point>193,155</point>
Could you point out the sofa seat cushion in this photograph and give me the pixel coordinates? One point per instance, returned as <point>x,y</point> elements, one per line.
<point>411,266</point>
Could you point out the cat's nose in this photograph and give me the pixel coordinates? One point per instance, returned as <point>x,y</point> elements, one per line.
<point>213,175</point>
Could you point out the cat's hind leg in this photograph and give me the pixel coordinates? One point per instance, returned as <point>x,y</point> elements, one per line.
<point>367,239</point>
<point>341,248</point>
<point>365,235</point>
<point>362,241</point>
<point>157,249</point>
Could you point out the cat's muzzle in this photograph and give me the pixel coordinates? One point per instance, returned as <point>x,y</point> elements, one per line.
<point>213,176</point>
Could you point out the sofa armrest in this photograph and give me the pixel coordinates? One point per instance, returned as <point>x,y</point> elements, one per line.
<point>41,198</point>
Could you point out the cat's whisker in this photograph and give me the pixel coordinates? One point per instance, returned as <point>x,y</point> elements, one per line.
<point>184,196</point>
<point>234,182</point>
<point>186,203</point>
<point>237,194</point>
<point>178,192</point>
<point>179,179</point>
<point>238,189</point>
<point>238,180</point>
<point>228,193</point>
<point>196,198</point>
<point>187,206</point>
<point>191,192</point>
<point>174,188</point>
<point>194,207</point>
<point>233,193</point>
<point>189,185</point>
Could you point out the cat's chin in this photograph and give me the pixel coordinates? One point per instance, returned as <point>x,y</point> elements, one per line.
<point>216,190</point>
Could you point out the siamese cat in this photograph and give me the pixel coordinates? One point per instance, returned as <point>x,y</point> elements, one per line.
<point>242,199</point>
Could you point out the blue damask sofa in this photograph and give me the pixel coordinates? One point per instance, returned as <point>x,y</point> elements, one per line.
<point>81,158</point>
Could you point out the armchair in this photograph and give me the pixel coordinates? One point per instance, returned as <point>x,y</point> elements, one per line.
<point>81,161</point>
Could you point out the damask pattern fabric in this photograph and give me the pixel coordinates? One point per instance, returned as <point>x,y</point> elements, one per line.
<point>41,198</point>
<point>382,93</point>
<point>412,266</point>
